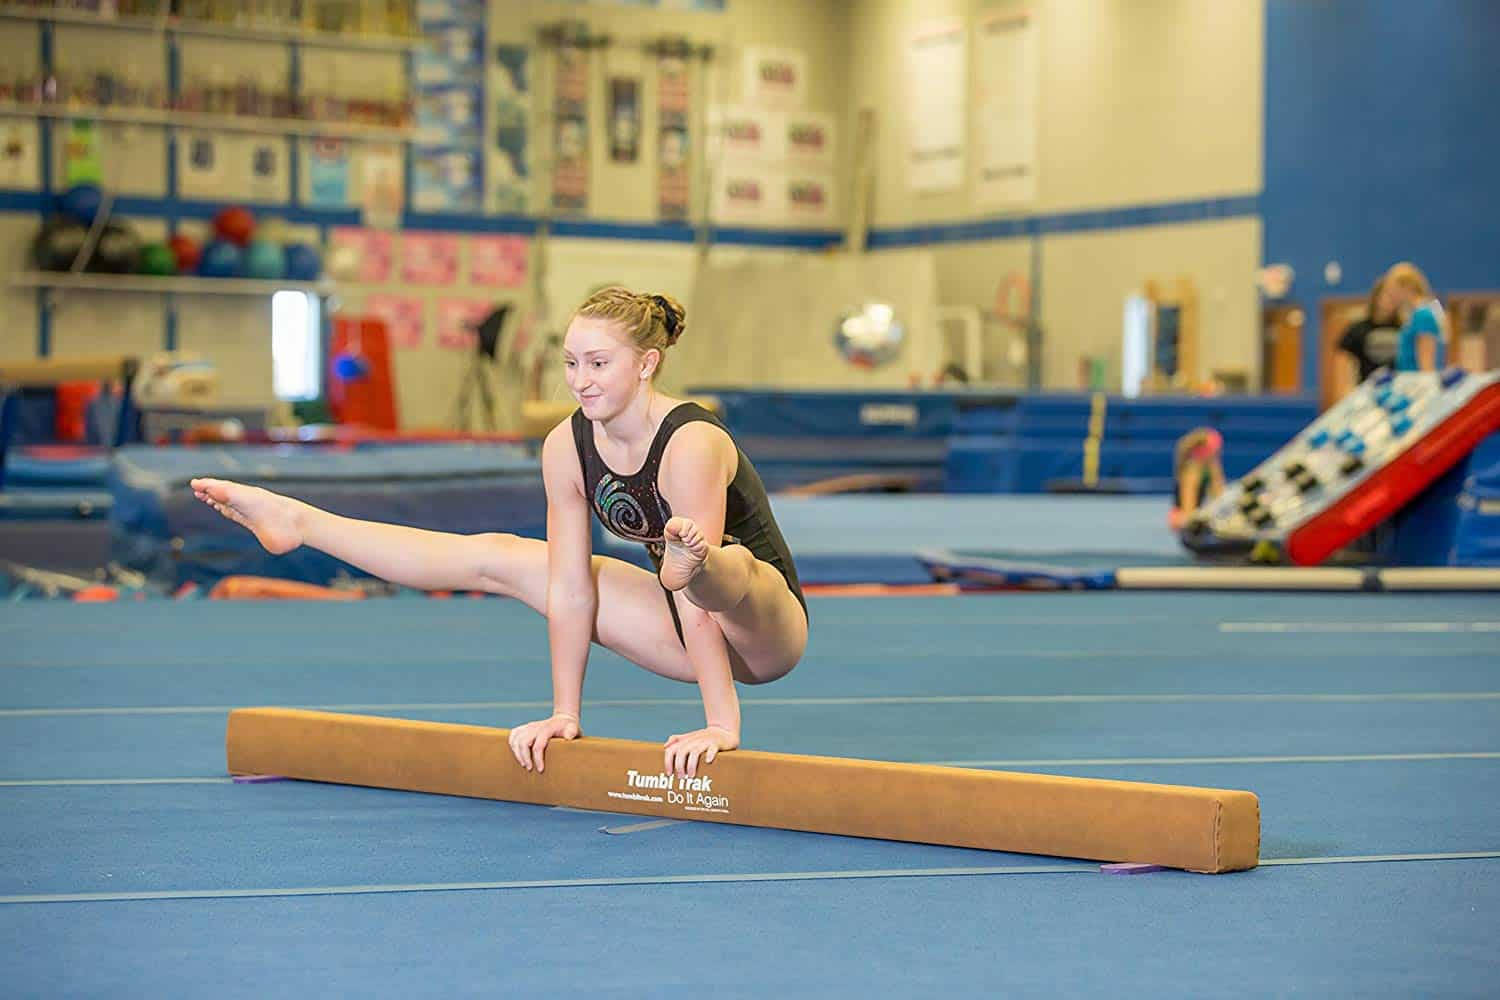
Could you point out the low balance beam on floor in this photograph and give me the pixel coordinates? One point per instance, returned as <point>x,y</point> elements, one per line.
<point>1198,829</point>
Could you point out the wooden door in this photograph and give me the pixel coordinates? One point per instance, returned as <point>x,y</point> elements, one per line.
<point>1281,349</point>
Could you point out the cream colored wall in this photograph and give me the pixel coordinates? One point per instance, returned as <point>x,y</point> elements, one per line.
<point>1088,276</point>
<point>1139,102</point>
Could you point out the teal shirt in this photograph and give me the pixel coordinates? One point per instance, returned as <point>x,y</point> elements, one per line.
<point>1423,323</point>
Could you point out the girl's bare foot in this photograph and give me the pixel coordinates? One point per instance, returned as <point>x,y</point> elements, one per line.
<point>686,549</point>
<point>274,519</point>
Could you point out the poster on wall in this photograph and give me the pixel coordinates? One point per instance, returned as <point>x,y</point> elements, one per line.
<point>809,139</point>
<point>498,261</point>
<point>361,255</point>
<point>570,139</point>
<point>445,179</point>
<point>1006,108</point>
<point>452,53</point>
<point>936,90</point>
<point>749,195</point>
<point>404,318</point>
<point>624,119</point>
<point>327,172</point>
<point>775,79</point>
<point>448,94</point>
<point>202,168</point>
<point>429,258</point>
<point>450,115</point>
<point>674,101</point>
<point>380,185</point>
<point>267,182</point>
<point>746,134</point>
<point>809,199</point>
<point>510,173</point>
<point>457,319</point>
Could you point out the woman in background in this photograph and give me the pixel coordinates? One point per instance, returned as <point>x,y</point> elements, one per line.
<point>1370,342</point>
<point>1422,343</point>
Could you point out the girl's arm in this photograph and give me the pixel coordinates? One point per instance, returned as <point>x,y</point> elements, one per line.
<point>572,594</point>
<point>696,469</point>
<point>572,599</point>
<point>1427,351</point>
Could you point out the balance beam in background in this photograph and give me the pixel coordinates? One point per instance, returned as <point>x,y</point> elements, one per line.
<point>1199,829</point>
<point>45,372</point>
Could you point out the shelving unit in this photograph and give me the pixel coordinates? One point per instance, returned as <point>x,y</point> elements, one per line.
<point>202,29</point>
<point>157,284</point>
<point>217,123</point>
<point>173,33</point>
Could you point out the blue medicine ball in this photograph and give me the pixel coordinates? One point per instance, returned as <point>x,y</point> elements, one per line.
<point>265,260</point>
<point>302,262</point>
<point>221,259</point>
<point>82,202</point>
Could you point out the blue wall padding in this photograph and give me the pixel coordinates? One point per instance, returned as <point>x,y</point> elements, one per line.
<point>1037,441</point>
<point>1476,537</point>
<point>1456,520</point>
<point>160,529</point>
<point>982,441</point>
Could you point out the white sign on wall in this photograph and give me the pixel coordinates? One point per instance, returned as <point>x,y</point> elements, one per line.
<point>937,100</point>
<point>1006,54</point>
<point>775,78</point>
<point>809,139</point>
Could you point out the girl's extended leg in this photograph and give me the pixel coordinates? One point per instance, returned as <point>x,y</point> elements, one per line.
<point>632,619</point>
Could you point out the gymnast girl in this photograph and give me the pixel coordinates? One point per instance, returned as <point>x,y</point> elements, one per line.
<point>1198,474</point>
<point>724,604</point>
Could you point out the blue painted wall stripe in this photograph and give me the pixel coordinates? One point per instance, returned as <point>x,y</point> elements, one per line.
<point>1058,223</point>
<point>671,232</point>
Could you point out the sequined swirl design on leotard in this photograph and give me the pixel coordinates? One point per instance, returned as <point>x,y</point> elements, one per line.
<point>622,513</point>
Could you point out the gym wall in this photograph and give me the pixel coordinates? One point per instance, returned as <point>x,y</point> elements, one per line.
<point>1139,105</point>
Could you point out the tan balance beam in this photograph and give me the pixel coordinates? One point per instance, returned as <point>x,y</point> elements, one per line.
<point>44,372</point>
<point>1198,829</point>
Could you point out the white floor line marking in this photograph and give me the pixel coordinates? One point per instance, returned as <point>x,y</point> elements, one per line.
<point>744,877</point>
<point>1346,758</point>
<point>571,883</point>
<point>1359,859</point>
<point>1352,758</point>
<point>1004,655</point>
<point>1360,628</point>
<point>944,699</point>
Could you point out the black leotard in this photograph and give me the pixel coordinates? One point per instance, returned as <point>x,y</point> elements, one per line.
<point>633,508</point>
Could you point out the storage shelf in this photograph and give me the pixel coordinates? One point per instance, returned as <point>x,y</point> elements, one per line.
<point>145,283</point>
<point>201,29</point>
<point>211,122</point>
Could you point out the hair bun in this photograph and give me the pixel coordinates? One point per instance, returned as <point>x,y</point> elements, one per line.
<point>672,317</point>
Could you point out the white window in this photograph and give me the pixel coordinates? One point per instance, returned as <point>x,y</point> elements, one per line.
<point>296,346</point>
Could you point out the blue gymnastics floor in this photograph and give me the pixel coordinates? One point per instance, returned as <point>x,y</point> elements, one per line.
<point>130,865</point>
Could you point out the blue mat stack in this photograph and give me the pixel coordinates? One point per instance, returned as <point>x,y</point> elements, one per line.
<point>1036,443</point>
<point>162,531</point>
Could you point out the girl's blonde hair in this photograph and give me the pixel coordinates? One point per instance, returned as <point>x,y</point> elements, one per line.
<point>1408,275</point>
<point>652,322</point>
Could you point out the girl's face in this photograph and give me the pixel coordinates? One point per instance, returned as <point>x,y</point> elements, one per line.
<point>603,369</point>
<point>1388,302</point>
